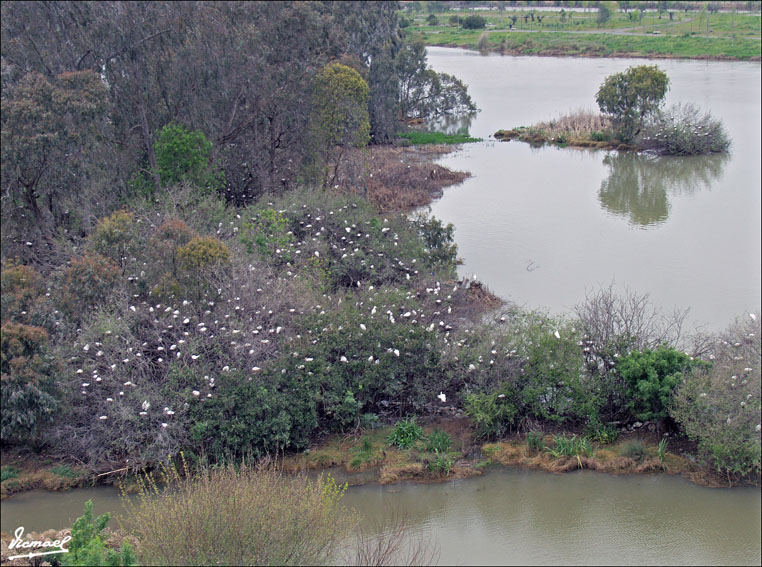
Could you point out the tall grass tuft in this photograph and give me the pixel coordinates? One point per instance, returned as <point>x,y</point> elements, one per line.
<point>536,441</point>
<point>577,124</point>
<point>573,446</point>
<point>661,451</point>
<point>237,516</point>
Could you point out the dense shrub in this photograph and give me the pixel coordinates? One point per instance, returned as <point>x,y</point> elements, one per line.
<point>197,260</point>
<point>28,373</point>
<point>493,414</point>
<point>651,376</point>
<point>116,237</point>
<point>171,235</point>
<point>719,406</point>
<point>182,155</point>
<point>474,22</point>
<point>266,232</point>
<point>611,326</point>
<point>87,545</point>
<point>258,416</point>
<point>21,291</point>
<point>238,516</point>
<point>89,282</point>
<point>684,130</point>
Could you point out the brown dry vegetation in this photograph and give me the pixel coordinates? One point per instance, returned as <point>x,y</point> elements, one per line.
<point>396,178</point>
<point>605,459</point>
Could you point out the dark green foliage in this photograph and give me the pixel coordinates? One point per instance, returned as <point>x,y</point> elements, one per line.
<point>254,415</point>
<point>631,96</point>
<point>87,546</point>
<point>28,391</point>
<point>474,22</point>
<point>651,376</point>
<point>493,414</point>
<point>604,14</point>
<point>600,433</point>
<point>405,434</point>
<point>357,371</point>
<point>432,20</point>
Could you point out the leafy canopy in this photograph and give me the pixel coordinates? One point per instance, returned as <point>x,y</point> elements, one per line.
<point>631,96</point>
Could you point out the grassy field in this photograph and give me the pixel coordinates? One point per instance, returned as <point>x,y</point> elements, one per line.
<point>689,34</point>
<point>417,138</point>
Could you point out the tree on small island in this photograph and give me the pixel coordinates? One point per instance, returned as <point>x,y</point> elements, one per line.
<point>631,96</point>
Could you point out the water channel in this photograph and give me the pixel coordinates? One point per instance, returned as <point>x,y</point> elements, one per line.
<point>519,517</point>
<point>543,226</point>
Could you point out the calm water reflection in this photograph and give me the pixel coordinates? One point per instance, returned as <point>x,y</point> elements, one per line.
<point>520,517</point>
<point>543,226</point>
<point>638,186</point>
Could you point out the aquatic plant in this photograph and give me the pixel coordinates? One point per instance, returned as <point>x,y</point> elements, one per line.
<point>405,433</point>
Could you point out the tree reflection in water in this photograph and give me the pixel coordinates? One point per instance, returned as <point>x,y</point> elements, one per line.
<point>638,185</point>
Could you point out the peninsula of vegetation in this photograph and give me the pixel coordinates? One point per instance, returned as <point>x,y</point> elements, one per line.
<point>210,264</point>
<point>631,118</point>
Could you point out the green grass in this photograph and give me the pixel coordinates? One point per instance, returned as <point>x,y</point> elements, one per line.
<point>65,471</point>
<point>424,138</point>
<point>635,450</point>
<point>570,447</point>
<point>728,36</point>
<point>8,472</point>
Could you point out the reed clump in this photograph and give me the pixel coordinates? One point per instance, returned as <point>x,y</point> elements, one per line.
<point>237,516</point>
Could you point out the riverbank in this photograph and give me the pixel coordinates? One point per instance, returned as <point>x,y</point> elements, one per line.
<point>688,35</point>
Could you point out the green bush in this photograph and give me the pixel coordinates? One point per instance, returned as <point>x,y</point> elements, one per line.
<point>253,416</point>
<point>600,433</point>
<point>89,282</point>
<point>8,473</point>
<point>267,233</point>
<point>536,441</point>
<point>442,463</point>
<point>87,546</point>
<point>182,155</point>
<point>651,377</point>
<point>438,441</point>
<point>493,414</point>
<point>474,22</point>
<point>28,389</point>
<point>405,434</point>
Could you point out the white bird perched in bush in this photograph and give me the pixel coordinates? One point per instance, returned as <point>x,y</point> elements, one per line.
<point>442,397</point>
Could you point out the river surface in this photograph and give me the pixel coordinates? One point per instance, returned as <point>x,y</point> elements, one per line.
<point>519,517</point>
<point>543,226</point>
